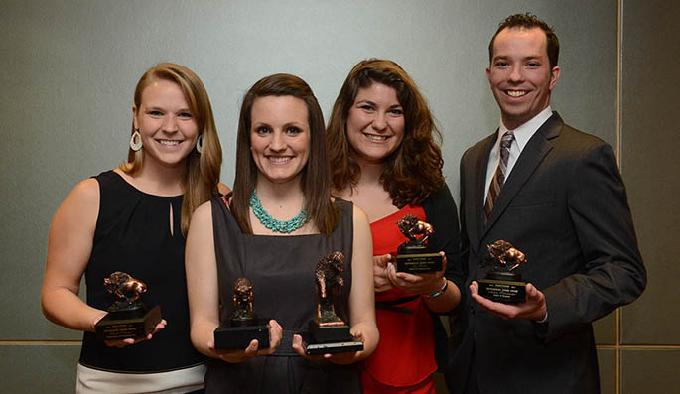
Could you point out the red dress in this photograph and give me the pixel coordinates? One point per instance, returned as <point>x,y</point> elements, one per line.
<point>404,357</point>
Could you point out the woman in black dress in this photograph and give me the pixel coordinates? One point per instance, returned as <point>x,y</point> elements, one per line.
<point>134,219</point>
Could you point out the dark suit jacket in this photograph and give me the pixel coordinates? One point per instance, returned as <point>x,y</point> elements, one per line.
<point>564,206</point>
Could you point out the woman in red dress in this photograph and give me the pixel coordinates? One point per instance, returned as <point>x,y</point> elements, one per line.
<point>385,160</point>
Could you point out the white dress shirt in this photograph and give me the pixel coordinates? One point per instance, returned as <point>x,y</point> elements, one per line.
<point>522,134</point>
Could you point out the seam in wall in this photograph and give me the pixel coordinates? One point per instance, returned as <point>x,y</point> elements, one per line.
<point>619,85</point>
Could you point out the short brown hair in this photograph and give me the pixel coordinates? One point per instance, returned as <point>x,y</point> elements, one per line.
<point>530,21</point>
<point>202,170</point>
<point>414,170</point>
<point>315,180</point>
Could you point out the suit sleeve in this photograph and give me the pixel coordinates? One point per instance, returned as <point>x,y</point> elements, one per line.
<point>613,274</point>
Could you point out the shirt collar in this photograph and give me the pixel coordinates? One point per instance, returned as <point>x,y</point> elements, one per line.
<point>524,132</point>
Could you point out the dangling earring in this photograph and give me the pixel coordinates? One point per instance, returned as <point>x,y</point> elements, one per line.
<point>136,141</point>
<point>199,144</point>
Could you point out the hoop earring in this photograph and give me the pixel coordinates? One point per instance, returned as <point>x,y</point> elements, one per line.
<point>136,141</point>
<point>199,144</point>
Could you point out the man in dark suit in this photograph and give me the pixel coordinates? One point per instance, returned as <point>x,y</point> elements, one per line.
<point>555,193</point>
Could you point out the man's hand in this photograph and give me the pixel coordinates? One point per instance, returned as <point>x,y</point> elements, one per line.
<point>533,308</point>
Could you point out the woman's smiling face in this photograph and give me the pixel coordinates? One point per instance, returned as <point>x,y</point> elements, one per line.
<point>375,123</point>
<point>166,124</point>
<point>280,137</point>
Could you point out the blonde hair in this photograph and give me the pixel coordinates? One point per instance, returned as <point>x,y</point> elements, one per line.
<point>202,169</point>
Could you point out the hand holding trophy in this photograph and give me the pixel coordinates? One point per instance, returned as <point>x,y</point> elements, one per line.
<point>244,326</point>
<point>502,283</point>
<point>414,256</point>
<point>328,333</point>
<point>127,317</point>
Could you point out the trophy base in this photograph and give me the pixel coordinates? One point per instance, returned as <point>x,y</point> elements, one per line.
<point>416,259</point>
<point>239,337</point>
<point>332,348</point>
<point>322,340</point>
<point>136,323</point>
<point>503,287</point>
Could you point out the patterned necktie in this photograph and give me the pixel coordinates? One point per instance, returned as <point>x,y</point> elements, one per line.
<point>498,177</point>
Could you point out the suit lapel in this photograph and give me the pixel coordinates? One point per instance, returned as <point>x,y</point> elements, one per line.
<point>478,185</point>
<point>533,153</point>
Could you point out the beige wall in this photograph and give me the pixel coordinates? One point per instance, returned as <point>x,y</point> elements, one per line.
<point>649,330</point>
<point>69,68</point>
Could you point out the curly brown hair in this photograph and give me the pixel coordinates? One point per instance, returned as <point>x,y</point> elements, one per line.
<point>414,170</point>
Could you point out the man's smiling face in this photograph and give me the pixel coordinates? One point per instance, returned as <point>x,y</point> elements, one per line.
<point>520,75</point>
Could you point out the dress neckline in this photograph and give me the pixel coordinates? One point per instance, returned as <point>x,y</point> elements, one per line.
<point>390,215</point>
<point>134,189</point>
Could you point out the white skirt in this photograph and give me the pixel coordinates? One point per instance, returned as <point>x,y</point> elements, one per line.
<point>90,380</point>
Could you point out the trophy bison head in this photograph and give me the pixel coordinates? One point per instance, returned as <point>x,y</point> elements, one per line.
<point>506,255</point>
<point>243,294</point>
<point>124,287</point>
<point>416,230</point>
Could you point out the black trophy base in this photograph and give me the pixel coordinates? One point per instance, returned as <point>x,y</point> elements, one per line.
<point>417,259</point>
<point>322,340</point>
<point>503,287</point>
<point>136,323</point>
<point>239,337</point>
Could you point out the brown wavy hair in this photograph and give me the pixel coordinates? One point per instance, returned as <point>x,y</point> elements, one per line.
<point>414,170</point>
<point>315,181</point>
<point>202,170</point>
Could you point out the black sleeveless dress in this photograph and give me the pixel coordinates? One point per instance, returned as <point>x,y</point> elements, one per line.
<point>281,269</point>
<point>133,235</point>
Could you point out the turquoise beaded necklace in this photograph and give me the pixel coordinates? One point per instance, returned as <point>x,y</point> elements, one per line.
<point>277,226</point>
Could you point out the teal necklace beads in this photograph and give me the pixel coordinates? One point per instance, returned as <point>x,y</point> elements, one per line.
<point>277,226</point>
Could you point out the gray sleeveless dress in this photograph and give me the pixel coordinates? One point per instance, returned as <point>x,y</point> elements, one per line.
<point>281,269</point>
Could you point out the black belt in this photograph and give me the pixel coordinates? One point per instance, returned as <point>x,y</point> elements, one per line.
<point>393,306</point>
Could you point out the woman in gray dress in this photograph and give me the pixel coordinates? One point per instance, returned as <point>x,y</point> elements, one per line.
<point>274,229</point>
